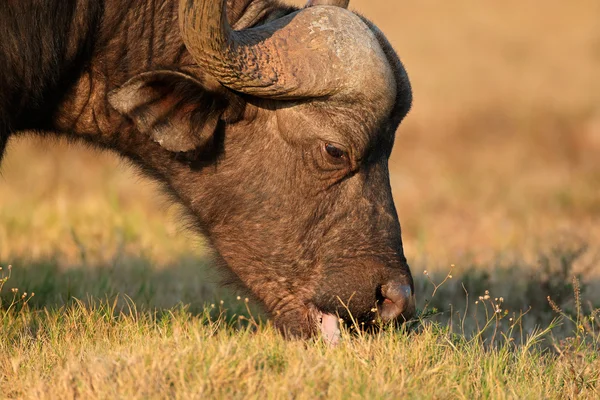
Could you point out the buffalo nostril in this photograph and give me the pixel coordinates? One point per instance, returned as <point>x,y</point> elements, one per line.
<point>397,300</point>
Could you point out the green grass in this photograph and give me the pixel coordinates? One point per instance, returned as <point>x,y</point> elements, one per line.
<point>121,347</point>
<point>77,337</point>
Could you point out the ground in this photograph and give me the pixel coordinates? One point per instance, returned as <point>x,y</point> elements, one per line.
<point>494,171</point>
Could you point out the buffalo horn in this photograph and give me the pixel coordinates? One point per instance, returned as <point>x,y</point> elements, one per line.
<point>301,55</point>
<point>337,3</point>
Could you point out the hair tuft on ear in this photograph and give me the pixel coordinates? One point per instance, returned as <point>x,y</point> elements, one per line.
<point>173,108</point>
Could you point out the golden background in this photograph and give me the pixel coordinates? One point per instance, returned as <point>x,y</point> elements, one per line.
<point>496,166</point>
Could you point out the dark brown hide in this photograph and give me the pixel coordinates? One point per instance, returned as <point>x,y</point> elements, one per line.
<point>292,191</point>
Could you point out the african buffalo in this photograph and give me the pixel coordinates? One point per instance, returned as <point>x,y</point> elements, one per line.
<point>271,124</point>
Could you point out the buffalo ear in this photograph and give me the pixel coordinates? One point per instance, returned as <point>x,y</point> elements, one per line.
<point>173,108</point>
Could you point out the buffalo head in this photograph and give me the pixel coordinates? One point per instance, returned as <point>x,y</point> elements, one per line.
<point>283,131</point>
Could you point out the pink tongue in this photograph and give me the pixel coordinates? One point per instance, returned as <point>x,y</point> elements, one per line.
<point>330,328</point>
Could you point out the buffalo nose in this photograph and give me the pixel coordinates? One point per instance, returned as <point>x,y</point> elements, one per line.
<point>397,301</point>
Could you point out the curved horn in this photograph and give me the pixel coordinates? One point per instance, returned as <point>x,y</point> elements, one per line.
<point>313,52</point>
<point>337,3</point>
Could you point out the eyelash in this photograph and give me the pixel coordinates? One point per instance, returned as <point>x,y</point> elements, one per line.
<point>335,151</point>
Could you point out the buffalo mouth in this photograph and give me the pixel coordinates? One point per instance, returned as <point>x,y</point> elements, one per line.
<point>328,325</point>
<point>385,312</point>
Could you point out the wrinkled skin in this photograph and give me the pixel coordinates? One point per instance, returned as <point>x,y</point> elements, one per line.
<point>294,194</point>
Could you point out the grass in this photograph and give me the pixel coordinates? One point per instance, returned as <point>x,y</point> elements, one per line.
<point>111,348</point>
<point>495,171</point>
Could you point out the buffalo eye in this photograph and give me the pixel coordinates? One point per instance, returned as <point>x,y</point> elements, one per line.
<point>335,152</point>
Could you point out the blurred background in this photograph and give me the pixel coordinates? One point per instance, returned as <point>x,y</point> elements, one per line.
<point>496,170</point>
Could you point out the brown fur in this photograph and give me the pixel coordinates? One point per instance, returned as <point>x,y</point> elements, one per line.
<point>299,229</point>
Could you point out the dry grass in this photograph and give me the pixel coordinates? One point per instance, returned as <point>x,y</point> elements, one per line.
<point>495,170</point>
<point>112,349</point>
